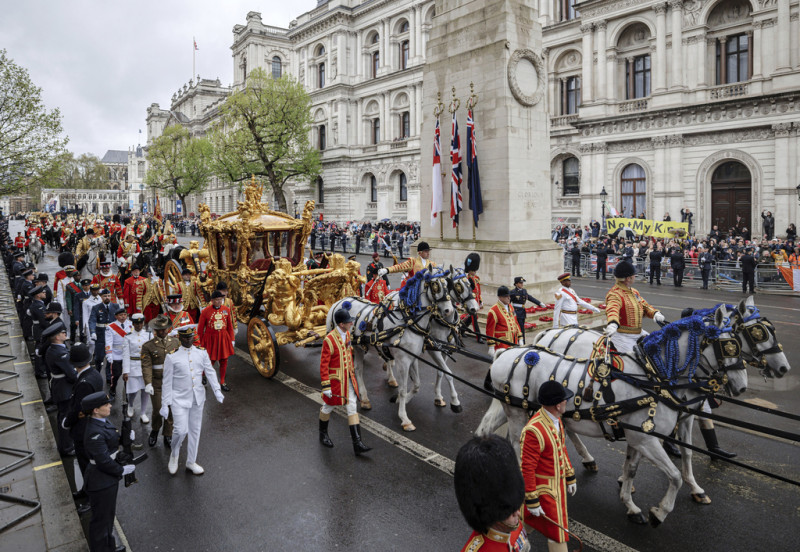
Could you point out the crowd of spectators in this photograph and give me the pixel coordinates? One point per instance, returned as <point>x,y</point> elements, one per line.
<point>385,237</point>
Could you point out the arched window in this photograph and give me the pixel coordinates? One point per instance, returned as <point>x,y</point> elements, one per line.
<point>572,176</point>
<point>570,95</point>
<point>403,187</point>
<point>373,188</point>
<point>321,50</point>
<point>375,38</point>
<point>376,130</point>
<point>321,75</point>
<point>404,27</point>
<point>320,190</point>
<point>404,55</point>
<point>634,191</point>
<point>321,143</point>
<point>376,63</point>
<point>405,124</point>
<point>277,67</point>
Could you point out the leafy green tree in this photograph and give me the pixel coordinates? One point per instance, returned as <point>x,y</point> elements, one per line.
<point>264,130</point>
<point>180,164</point>
<point>30,135</point>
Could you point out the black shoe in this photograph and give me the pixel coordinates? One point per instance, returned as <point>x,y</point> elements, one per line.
<point>41,376</point>
<point>112,395</point>
<point>50,408</point>
<point>168,441</point>
<point>67,453</point>
<point>78,495</point>
<point>225,387</point>
<point>205,381</point>
<point>358,447</point>
<point>84,508</point>
<point>671,449</point>
<point>49,402</point>
<point>323,434</point>
<point>153,438</point>
<point>120,548</point>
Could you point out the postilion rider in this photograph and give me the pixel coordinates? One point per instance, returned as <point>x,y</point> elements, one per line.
<point>412,265</point>
<point>625,310</point>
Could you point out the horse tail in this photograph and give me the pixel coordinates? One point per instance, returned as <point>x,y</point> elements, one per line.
<point>492,420</point>
<point>82,262</point>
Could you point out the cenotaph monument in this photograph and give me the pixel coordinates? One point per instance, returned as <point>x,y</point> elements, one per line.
<point>496,45</point>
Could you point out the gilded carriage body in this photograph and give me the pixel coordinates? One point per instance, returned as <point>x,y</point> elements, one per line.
<point>259,254</point>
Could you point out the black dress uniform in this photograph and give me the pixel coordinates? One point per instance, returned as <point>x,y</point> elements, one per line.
<point>748,264</point>
<point>101,443</point>
<point>656,256</point>
<point>602,260</point>
<point>35,314</point>
<point>89,381</point>
<point>678,264</point>
<point>576,260</point>
<point>98,320</point>
<point>62,377</point>
<point>704,261</point>
<point>519,298</point>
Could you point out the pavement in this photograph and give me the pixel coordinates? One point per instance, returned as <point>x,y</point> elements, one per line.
<point>269,485</point>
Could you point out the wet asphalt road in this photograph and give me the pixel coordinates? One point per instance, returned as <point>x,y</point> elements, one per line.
<point>270,485</point>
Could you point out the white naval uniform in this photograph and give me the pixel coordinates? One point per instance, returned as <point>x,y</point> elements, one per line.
<point>183,392</point>
<point>132,360</point>
<point>88,303</point>
<point>114,341</point>
<point>565,312</point>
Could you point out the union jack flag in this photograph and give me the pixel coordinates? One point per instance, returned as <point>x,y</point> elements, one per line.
<point>456,205</point>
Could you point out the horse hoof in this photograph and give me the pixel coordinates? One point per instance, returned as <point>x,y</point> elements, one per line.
<point>654,521</point>
<point>638,519</point>
<point>592,467</point>
<point>366,405</point>
<point>439,402</point>
<point>456,408</point>
<point>392,383</point>
<point>409,427</point>
<point>701,498</point>
<point>393,399</point>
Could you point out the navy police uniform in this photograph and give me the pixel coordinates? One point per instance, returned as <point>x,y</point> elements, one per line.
<point>98,320</point>
<point>519,298</point>
<point>62,377</point>
<point>89,381</point>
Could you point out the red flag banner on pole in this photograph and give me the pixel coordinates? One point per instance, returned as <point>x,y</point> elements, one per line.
<point>456,205</point>
<point>436,195</point>
<point>157,209</point>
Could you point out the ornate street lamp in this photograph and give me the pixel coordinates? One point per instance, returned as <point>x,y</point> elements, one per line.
<point>603,195</point>
<point>295,208</point>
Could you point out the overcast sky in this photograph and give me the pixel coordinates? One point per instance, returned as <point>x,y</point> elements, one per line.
<point>103,62</point>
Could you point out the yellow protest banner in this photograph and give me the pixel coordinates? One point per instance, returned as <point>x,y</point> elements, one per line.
<point>646,227</point>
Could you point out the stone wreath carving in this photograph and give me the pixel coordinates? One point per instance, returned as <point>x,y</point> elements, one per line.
<point>526,99</point>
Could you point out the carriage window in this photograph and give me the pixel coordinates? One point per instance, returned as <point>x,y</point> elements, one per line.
<point>279,243</point>
<point>221,250</point>
<point>260,256</point>
<point>233,250</point>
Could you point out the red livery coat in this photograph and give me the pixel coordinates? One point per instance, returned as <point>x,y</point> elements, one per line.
<point>547,472</point>
<point>336,367</point>
<point>133,294</point>
<point>502,324</point>
<point>215,332</point>
<point>497,541</point>
<point>377,290</point>
<point>111,283</point>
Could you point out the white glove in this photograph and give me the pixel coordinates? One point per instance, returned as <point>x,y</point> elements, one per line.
<point>94,337</point>
<point>383,272</point>
<point>538,511</point>
<point>658,317</point>
<point>491,351</point>
<point>572,489</point>
<point>596,309</point>
<point>128,469</point>
<point>133,435</point>
<point>233,344</point>
<point>149,389</point>
<point>164,412</point>
<point>328,393</point>
<point>220,398</point>
<point>611,329</point>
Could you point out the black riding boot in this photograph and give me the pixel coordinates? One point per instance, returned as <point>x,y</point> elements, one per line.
<point>358,446</point>
<point>323,434</point>
<point>710,437</point>
<point>671,449</point>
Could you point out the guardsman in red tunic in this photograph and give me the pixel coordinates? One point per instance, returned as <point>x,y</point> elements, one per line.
<point>625,310</point>
<point>339,385</point>
<point>490,491</point>
<point>19,241</point>
<point>413,265</point>
<point>376,289</point>
<point>109,281</point>
<point>215,332</point>
<point>546,468</point>
<point>133,292</point>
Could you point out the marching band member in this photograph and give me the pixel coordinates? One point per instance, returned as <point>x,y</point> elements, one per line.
<point>109,281</point>
<point>132,365</point>
<point>625,310</point>
<point>565,312</point>
<point>133,291</point>
<point>116,332</point>
<point>185,396</point>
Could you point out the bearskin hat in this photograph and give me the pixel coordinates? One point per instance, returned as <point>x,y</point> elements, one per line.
<point>66,258</point>
<point>473,262</point>
<point>488,481</point>
<point>115,218</point>
<point>624,269</point>
<point>126,221</point>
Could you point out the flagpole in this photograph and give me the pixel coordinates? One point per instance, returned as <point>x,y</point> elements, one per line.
<point>441,219</point>
<point>471,102</point>
<point>455,103</point>
<point>194,51</point>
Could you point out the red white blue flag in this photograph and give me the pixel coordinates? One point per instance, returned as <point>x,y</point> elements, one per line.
<point>456,205</point>
<point>436,195</point>
<point>473,176</point>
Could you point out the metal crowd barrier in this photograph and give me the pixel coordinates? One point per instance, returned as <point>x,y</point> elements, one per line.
<point>725,275</point>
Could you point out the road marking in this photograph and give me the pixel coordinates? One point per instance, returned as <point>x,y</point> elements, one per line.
<point>31,402</point>
<point>23,362</point>
<point>47,466</point>
<point>123,540</point>
<point>591,537</point>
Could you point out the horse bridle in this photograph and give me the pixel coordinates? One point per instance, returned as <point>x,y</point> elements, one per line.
<point>756,334</point>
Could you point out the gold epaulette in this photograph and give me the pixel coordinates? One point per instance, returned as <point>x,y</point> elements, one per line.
<point>172,351</point>
<point>199,347</point>
<point>474,544</point>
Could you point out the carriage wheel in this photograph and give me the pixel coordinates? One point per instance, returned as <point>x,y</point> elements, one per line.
<point>172,277</point>
<point>263,347</point>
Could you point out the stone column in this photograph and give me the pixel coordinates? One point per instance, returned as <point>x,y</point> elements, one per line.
<point>562,104</point>
<point>629,81</point>
<point>587,84</point>
<point>341,65</point>
<point>359,56</point>
<point>750,56</point>
<point>544,10</point>
<point>420,48</point>
<point>412,36</point>
<point>677,43</point>
<point>386,56</point>
<point>383,44</point>
<point>412,110</point>
<point>723,67</point>
<point>782,38</point>
<point>701,55</point>
<point>782,160</point>
<point>656,205</point>
<point>660,80</point>
<point>328,62</point>
<point>756,49</point>
<point>360,122</point>
<point>611,77</point>
<point>601,60</point>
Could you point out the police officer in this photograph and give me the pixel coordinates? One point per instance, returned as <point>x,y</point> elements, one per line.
<point>748,264</point>
<point>575,252</point>
<point>704,262</point>
<point>18,265</point>
<point>99,319</point>
<point>62,377</point>
<point>23,286</point>
<point>101,442</point>
<point>153,354</point>
<point>602,259</point>
<point>519,298</point>
<point>678,264</point>
<point>38,323</point>
<point>656,256</point>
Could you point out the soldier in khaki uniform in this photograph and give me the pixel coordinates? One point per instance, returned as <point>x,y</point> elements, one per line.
<point>152,357</point>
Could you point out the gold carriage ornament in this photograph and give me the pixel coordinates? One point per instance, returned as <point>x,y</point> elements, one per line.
<point>259,254</point>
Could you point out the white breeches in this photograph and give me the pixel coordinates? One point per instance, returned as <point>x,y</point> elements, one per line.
<point>186,421</point>
<point>568,320</point>
<point>351,402</point>
<point>625,342</point>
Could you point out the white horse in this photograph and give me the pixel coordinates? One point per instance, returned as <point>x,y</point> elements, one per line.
<point>760,345</point>
<point>89,264</point>
<point>35,250</point>
<point>680,342</point>
<point>401,327</point>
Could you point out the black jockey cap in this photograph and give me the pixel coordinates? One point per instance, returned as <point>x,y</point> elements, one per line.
<point>472,263</point>
<point>488,482</point>
<point>37,290</point>
<point>217,294</point>
<point>186,271</point>
<point>624,269</point>
<point>342,316</point>
<point>687,312</point>
<point>552,392</point>
<point>503,291</point>
<point>222,286</point>
<point>423,246</point>
<point>351,258</point>
<point>54,307</point>
<point>54,329</point>
<point>94,400</point>
<point>80,355</point>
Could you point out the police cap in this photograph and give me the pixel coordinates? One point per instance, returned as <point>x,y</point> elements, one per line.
<point>54,307</point>
<point>103,291</point>
<point>54,329</point>
<point>95,400</point>
<point>37,290</point>
<point>518,280</point>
